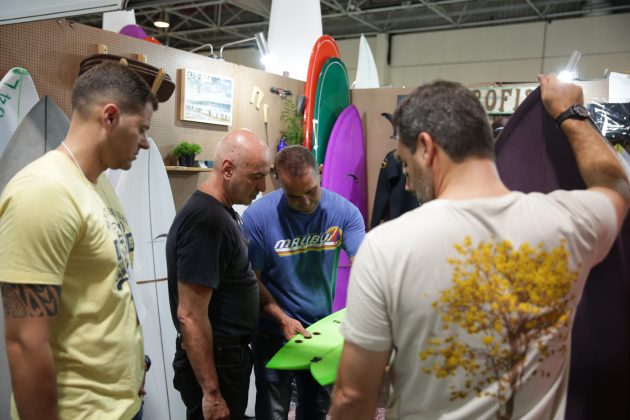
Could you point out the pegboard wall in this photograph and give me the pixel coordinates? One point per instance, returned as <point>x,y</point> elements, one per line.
<point>52,50</point>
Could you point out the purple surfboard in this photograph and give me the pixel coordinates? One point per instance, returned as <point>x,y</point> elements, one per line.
<point>533,154</point>
<point>345,173</point>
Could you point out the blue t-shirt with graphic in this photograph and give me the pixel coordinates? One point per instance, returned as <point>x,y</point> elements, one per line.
<point>297,253</point>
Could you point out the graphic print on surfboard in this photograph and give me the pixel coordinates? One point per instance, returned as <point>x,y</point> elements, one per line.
<point>332,97</point>
<point>367,75</point>
<point>299,352</point>
<point>344,172</point>
<point>41,130</point>
<point>17,96</point>
<point>324,48</point>
<point>145,195</point>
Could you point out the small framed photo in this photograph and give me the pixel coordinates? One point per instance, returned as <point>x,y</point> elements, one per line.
<point>206,98</point>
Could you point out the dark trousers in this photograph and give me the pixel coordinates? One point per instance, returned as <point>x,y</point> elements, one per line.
<point>274,387</point>
<point>233,363</point>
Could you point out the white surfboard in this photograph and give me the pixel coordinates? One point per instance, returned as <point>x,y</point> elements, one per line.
<point>41,130</point>
<point>115,21</point>
<point>145,195</point>
<point>17,96</point>
<point>367,75</point>
<point>294,26</point>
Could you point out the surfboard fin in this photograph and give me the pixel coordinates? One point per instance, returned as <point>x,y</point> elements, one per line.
<point>300,104</point>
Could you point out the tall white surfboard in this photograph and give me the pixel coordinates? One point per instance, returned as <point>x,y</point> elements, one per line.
<point>367,75</point>
<point>17,96</point>
<point>145,195</point>
<point>294,26</point>
<point>115,21</point>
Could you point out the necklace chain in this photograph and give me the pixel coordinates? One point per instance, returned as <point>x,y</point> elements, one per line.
<point>72,156</point>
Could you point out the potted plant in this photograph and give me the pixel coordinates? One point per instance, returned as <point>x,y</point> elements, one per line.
<point>293,130</point>
<point>185,152</point>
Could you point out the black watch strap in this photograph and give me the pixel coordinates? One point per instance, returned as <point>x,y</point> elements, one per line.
<point>575,111</point>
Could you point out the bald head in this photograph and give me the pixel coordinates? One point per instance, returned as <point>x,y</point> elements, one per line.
<point>242,147</point>
<point>241,163</point>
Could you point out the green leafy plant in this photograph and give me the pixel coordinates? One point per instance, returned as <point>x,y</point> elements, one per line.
<point>293,131</point>
<point>184,148</point>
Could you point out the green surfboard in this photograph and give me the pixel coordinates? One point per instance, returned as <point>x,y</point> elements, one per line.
<point>299,352</point>
<point>325,370</point>
<point>332,97</point>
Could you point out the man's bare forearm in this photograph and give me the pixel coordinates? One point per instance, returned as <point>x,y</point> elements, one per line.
<point>29,311</point>
<point>269,305</point>
<point>598,165</point>
<point>198,342</point>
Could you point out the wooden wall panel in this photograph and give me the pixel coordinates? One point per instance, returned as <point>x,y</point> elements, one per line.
<point>377,130</point>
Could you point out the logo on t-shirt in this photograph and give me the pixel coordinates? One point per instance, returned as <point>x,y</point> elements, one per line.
<point>123,242</point>
<point>324,241</point>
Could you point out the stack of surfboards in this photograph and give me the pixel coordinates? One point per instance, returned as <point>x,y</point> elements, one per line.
<point>327,94</point>
<point>334,131</point>
<point>344,172</point>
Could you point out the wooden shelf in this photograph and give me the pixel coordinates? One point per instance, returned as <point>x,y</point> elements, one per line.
<point>187,169</point>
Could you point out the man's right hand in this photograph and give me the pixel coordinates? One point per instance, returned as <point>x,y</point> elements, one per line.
<point>558,96</point>
<point>214,407</point>
<point>291,327</point>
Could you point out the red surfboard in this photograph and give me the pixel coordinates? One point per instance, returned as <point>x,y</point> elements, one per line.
<point>325,47</point>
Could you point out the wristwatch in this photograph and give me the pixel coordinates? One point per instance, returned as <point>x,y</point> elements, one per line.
<point>147,362</point>
<point>575,111</point>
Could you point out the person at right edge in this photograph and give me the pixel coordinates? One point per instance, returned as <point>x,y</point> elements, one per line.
<point>476,291</point>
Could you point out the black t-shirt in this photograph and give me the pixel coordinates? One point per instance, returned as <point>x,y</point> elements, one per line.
<point>205,247</point>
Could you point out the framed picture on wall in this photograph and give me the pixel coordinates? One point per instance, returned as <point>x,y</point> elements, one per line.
<point>205,97</point>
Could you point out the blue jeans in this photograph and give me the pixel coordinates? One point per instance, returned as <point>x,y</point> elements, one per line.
<point>274,387</point>
<point>233,363</point>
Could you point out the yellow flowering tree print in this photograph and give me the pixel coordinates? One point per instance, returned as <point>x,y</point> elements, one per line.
<point>505,301</point>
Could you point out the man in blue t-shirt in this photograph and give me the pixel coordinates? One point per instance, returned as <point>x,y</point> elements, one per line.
<point>296,235</point>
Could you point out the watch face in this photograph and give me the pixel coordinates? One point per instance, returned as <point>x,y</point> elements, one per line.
<point>580,111</point>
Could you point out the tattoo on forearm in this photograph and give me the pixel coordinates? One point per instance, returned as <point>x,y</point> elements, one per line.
<point>28,300</point>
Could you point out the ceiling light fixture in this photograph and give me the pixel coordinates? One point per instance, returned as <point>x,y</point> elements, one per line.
<point>162,21</point>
